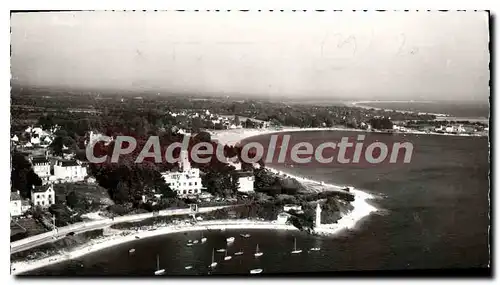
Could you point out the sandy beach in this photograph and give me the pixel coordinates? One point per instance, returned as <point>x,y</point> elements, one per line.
<point>233,136</point>
<point>361,210</point>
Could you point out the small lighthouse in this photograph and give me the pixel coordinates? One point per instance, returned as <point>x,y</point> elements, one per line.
<point>318,216</point>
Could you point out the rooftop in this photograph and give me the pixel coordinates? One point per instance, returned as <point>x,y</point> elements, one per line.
<point>39,160</point>
<point>43,188</point>
<point>14,196</point>
<point>68,163</point>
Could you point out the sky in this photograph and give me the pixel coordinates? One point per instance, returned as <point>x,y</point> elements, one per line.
<point>338,55</point>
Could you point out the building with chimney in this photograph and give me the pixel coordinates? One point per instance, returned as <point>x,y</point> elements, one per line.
<point>43,196</point>
<point>41,166</point>
<point>69,171</point>
<point>185,182</point>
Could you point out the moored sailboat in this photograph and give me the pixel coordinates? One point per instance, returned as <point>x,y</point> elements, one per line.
<point>213,264</point>
<point>257,252</point>
<point>158,270</point>
<point>295,250</point>
<point>227,257</point>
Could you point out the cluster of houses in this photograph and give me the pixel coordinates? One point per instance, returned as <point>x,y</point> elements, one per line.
<point>35,137</point>
<point>42,196</point>
<point>451,129</point>
<point>226,122</point>
<point>58,171</point>
<point>50,171</point>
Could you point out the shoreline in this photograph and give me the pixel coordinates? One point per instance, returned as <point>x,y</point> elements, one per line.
<point>364,105</point>
<point>439,116</point>
<point>361,210</point>
<point>233,136</point>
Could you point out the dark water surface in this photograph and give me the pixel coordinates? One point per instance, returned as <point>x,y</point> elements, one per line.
<point>435,215</point>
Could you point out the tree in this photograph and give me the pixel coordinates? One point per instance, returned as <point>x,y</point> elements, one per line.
<point>72,199</point>
<point>23,178</point>
<point>121,195</point>
<point>381,123</point>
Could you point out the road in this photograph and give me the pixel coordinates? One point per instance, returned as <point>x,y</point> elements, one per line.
<point>34,241</point>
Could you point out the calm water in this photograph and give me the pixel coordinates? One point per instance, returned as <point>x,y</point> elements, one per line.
<point>435,215</point>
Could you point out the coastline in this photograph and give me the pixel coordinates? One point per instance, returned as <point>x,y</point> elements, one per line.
<point>439,116</point>
<point>365,105</point>
<point>233,136</point>
<point>361,209</point>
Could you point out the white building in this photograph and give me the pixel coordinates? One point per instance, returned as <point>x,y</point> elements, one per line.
<point>290,207</point>
<point>282,218</point>
<point>35,140</point>
<point>15,204</point>
<point>41,166</point>
<point>69,171</point>
<point>187,181</point>
<point>93,137</point>
<point>43,196</point>
<point>245,182</point>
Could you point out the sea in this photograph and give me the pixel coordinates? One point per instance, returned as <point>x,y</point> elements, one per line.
<point>433,214</point>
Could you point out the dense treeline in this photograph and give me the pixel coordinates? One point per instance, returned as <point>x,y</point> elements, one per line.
<point>23,178</point>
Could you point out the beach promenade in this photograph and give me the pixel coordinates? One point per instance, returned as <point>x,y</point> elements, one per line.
<point>61,232</point>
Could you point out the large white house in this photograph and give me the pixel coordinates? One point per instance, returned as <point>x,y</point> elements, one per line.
<point>186,182</point>
<point>41,166</point>
<point>69,171</point>
<point>245,182</point>
<point>43,196</point>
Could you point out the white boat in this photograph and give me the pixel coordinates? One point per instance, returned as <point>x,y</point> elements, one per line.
<point>256,271</point>
<point>245,235</point>
<point>230,239</point>
<point>158,270</point>
<point>132,250</point>
<point>295,250</point>
<point>213,264</point>
<point>239,252</point>
<point>195,241</point>
<point>315,249</point>
<point>203,239</point>
<point>188,267</point>
<point>221,250</point>
<point>190,241</point>
<point>227,257</point>
<point>189,244</point>
<point>257,252</point>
